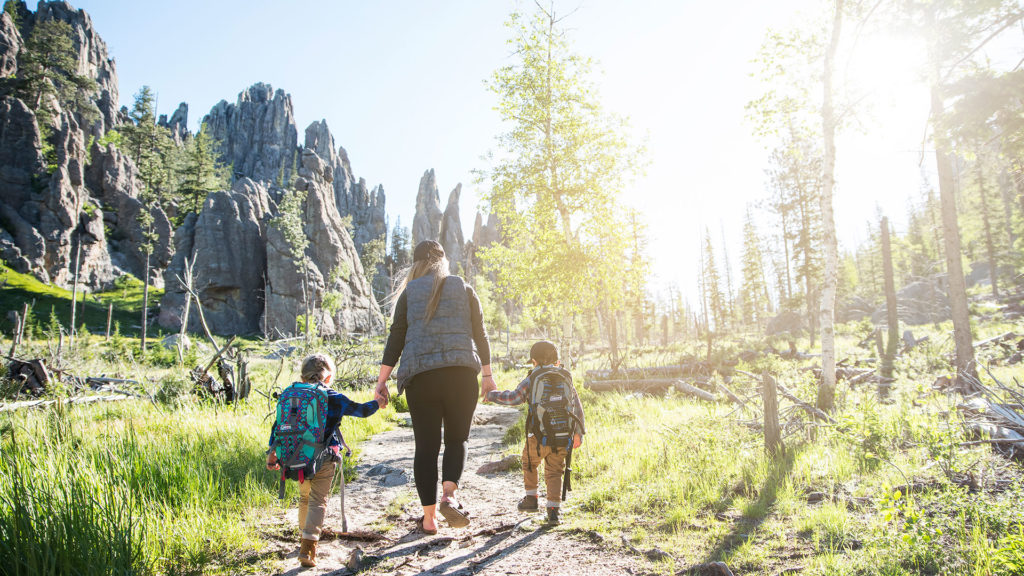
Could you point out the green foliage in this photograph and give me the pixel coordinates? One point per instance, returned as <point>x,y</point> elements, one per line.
<point>1010,554</point>
<point>372,256</point>
<point>495,319</point>
<point>18,289</point>
<point>111,137</point>
<point>133,489</point>
<point>289,222</point>
<point>203,171</point>
<point>401,247</point>
<point>755,301</point>
<point>554,184</point>
<point>48,68</point>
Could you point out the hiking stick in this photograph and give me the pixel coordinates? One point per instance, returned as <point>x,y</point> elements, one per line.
<point>341,494</point>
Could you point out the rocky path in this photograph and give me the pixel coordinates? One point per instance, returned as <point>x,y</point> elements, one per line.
<point>381,503</point>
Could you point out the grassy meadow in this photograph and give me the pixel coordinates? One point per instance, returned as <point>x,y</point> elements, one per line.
<point>174,484</point>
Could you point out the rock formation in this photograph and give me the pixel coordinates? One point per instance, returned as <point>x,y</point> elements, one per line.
<point>93,60</point>
<point>352,197</point>
<point>430,223</point>
<point>177,124</point>
<point>49,204</point>
<point>335,265</point>
<point>483,236</point>
<point>426,224</point>
<point>226,241</point>
<point>248,281</point>
<point>10,45</point>
<point>257,134</point>
<point>450,233</point>
<point>113,179</point>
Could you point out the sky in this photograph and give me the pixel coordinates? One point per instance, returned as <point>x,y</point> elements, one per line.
<point>402,86</point>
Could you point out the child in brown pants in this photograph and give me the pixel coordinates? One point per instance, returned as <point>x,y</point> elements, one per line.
<point>543,445</point>
<point>313,492</point>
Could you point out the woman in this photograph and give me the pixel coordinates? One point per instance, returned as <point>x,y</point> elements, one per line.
<point>437,330</point>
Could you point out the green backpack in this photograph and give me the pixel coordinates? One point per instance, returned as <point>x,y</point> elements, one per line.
<point>299,431</point>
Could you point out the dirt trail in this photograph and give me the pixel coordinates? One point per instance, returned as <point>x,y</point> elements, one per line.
<point>490,545</point>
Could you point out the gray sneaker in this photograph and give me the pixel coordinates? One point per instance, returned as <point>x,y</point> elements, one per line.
<point>528,504</point>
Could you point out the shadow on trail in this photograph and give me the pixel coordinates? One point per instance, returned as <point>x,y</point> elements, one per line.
<point>463,564</point>
<point>476,566</point>
<point>757,511</point>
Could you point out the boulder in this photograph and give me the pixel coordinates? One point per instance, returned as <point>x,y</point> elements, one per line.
<point>921,302</point>
<point>786,322</point>
<point>853,309</point>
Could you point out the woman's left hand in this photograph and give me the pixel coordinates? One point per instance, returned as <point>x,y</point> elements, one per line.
<point>487,385</point>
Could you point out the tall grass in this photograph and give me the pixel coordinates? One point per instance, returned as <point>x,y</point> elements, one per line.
<point>132,489</point>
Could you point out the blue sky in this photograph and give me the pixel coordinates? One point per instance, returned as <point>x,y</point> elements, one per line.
<point>401,84</point>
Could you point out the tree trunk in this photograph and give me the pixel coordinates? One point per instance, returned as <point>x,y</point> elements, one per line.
<point>74,289</point>
<point>990,247</point>
<point>1006,192</point>
<point>145,302</point>
<point>964,356</point>
<point>827,389</point>
<point>772,432</point>
<point>892,311</point>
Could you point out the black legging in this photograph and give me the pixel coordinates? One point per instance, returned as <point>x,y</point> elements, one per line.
<point>448,395</point>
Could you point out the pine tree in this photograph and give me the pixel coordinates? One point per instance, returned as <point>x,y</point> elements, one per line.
<point>400,256</point>
<point>753,291</point>
<point>713,287</point>
<point>203,172</point>
<point>289,222</point>
<point>48,67</point>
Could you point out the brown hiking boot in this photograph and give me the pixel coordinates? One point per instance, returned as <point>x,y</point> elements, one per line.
<point>528,504</point>
<point>552,515</point>
<point>307,553</point>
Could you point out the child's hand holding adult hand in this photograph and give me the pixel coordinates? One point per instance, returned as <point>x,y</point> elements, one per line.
<point>380,394</point>
<point>487,386</point>
<point>577,441</point>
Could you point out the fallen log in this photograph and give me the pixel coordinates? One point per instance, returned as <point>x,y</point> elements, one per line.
<point>735,399</point>
<point>648,385</point>
<point>651,385</point>
<point>74,400</point>
<point>648,372</point>
<point>788,395</point>
<point>1000,339</point>
<point>694,391</point>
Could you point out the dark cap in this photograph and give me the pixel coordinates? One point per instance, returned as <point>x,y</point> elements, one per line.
<point>428,250</point>
<point>544,352</point>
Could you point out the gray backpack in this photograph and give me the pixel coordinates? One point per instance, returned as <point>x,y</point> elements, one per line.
<point>552,397</point>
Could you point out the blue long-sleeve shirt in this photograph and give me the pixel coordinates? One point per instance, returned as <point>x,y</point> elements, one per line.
<point>338,405</point>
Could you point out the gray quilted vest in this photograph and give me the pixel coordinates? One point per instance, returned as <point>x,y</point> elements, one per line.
<point>445,341</point>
